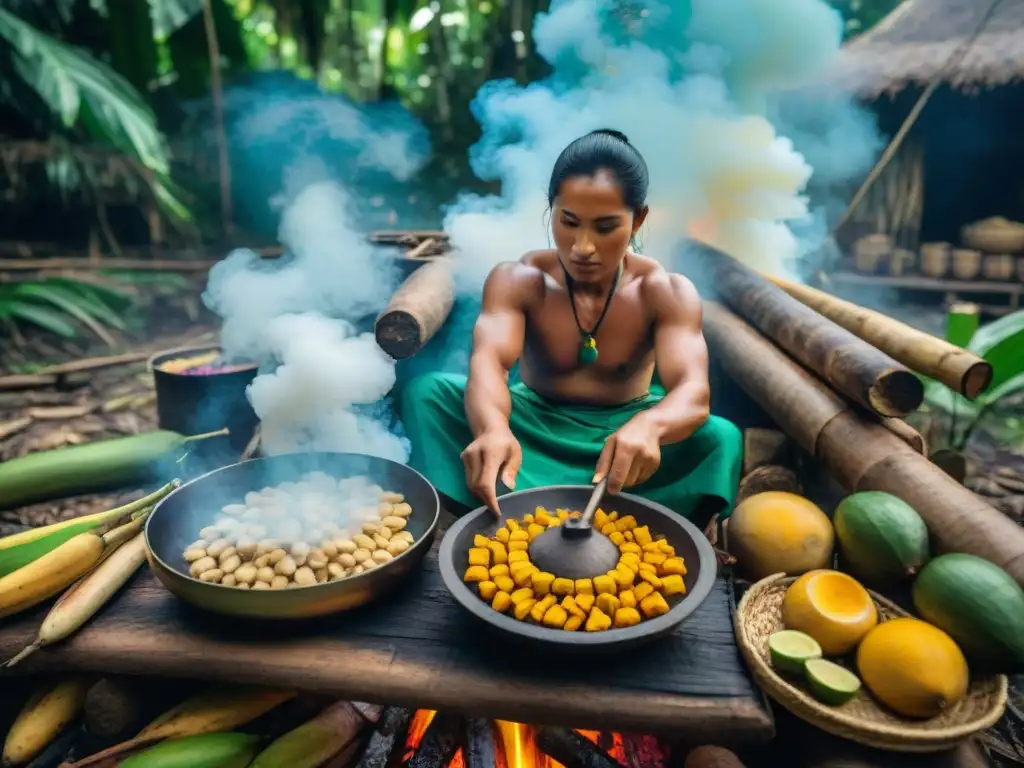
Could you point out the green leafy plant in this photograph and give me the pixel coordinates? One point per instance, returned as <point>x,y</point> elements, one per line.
<point>63,306</point>
<point>1000,343</point>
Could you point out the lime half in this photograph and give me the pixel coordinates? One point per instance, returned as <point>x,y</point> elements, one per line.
<point>830,683</point>
<point>790,650</point>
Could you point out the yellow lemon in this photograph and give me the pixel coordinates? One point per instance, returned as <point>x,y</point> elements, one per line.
<point>778,532</point>
<point>831,607</point>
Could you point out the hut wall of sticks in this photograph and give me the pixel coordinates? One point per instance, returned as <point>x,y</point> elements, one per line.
<point>944,78</point>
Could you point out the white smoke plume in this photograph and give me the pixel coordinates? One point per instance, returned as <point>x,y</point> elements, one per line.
<point>695,90</point>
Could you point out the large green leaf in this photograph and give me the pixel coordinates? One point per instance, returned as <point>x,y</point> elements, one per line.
<point>1001,343</point>
<point>44,317</point>
<point>63,299</point>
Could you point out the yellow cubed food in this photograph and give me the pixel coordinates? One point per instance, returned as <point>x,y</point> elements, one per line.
<point>562,587</point>
<point>517,556</point>
<point>630,565</point>
<point>600,519</point>
<point>608,603</point>
<point>631,547</point>
<point>573,623</point>
<point>555,522</point>
<point>668,549</point>
<point>642,590</point>
<point>555,617</point>
<point>499,555</point>
<point>651,578</point>
<point>487,589</point>
<point>642,535</point>
<point>613,516</point>
<point>520,546</point>
<point>522,575</point>
<point>481,541</point>
<point>651,547</point>
<point>647,567</point>
<point>626,523</point>
<point>655,558</point>
<point>521,594</point>
<point>563,514</point>
<point>605,585</point>
<point>585,602</point>
<point>518,565</point>
<point>623,576</point>
<point>505,583</point>
<point>673,584</point>
<point>541,607</point>
<point>502,534</point>
<point>627,599</point>
<point>480,556</point>
<point>570,606</point>
<point>541,517</point>
<point>583,587</point>
<point>597,621</point>
<point>653,605</point>
<point>476,573</point>
<point>512,524</point>
<point>673,565</point>
<point>627,617</point>
<point>539,511</point>
<point>617,538</point>
<point>522,610</point>
<point>541,581</point>
<point>501,569</point>
<point>527,519</point>
<point>519,535</point>
<point>627,535</point>
<point>535,530</point>
<point>608,529</point>
<point>501,602</point>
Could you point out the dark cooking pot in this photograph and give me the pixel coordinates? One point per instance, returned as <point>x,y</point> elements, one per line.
<point>178,518</point>
<point>689,543</point>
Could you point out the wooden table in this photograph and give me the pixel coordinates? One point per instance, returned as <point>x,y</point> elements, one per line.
<point>418,648</point>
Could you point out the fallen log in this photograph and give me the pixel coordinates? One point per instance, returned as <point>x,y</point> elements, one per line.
<point>861,455</point>
<point>388,739</point>
<point>479,751</point>
<point>853,367</point>
<point>442,739</point>
<point>417,310</point>
<point>958,369</point>
<point>573,750</point>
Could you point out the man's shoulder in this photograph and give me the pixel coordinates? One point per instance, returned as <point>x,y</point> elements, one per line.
<point>658,282</point>
<point>517,282</point>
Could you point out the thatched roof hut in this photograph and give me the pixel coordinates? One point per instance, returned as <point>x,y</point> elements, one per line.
<point>917,41</point>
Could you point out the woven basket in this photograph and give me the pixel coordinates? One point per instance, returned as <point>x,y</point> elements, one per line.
<point>966,263</point>
<point>862,720</point>
<point>995,235</point>
<point>936,258</point>
<point>999,267</point>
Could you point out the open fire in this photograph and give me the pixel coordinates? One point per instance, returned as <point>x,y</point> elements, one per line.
<point>436,740</point>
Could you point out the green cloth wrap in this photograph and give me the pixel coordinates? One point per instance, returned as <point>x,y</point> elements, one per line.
<point>562,442</point>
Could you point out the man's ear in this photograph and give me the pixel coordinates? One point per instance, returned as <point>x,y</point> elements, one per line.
<point>639,217</point>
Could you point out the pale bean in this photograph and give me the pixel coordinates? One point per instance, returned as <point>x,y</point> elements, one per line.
<point>381,556</point>
<point>346,545</point>
<point>404,536</point>
<point>209,533</point>
<point>253,498</point>
<point>370,528</point>
<point>392,497</point>
<point>266,573</point>
<point>368,564</point>
<point>395,523</point>
<point>217,547</point>
<point>261,585</point>
<point>317,559</point>
<point>266,545</point>
<point>329,548</point>
<point>384,532</point>
<point>361,555</point>
<point>214,575</point>
<point>277,556</point>
<point>364,542</point>
<point>226,554</point>
<point>304,576</point>
<point>246,548</point>
<point>346,560</point>
<point>397,546</point>
<point>241,585</point>
<point>385,509</point>
<point>231,564</point>
<point>229,580</point>
<point>402,510</point>
<point>198,544</point>
<point>321,574</point>
<point>279,582</point>
<point>246,574</point>
<point>202,565</point>
<point>191,555</point>
<point>380,541</point>
<point>335,571</point>
<point>286,566</point>
<point>225,525</point>
<point>358,569</point>
<point>263,560</point>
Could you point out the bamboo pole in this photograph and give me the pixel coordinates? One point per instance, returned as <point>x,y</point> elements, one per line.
<point>417,310</point>
<point>853,367</point>
<point>958,369</point>
<point>861,455</point>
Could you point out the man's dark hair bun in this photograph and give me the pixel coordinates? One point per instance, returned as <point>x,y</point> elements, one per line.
<point>613,133</point>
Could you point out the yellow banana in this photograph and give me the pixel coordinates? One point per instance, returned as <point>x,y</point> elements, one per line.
<point>315,741</point>
<point>50,574</point>
<point>44,716</point>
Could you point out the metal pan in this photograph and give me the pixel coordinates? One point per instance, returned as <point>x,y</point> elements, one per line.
<point>176,521</point>
<point>689,542</point>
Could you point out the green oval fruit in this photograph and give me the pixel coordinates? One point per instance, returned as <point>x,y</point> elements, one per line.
<point>882,540</point>
<point>979,605</point>
<point>830,683</point>
<point>791,650</point>
<point>206,750</point>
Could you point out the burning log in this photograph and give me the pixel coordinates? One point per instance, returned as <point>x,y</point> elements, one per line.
<point>861,455</point>
<point>862,373</point>
<point>957,368</point>
<point>388,739</point>
<point>479,751</point>
<point>442,740</point>
<point>417,310</point>
<point>573,750</point>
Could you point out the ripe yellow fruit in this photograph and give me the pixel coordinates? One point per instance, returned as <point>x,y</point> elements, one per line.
<point>831,607</point>
<point>778,532</point>
<point>912,667</point>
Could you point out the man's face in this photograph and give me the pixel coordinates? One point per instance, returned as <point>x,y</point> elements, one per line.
<point>592,226</point>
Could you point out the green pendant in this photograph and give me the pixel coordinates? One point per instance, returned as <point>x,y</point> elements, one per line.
<point>588,350</point>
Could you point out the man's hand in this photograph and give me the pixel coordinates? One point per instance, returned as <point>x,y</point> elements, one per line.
<point>630,456</point>
<point>493,451</point>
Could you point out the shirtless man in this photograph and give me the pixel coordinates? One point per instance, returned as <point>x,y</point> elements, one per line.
<point>587,322</point>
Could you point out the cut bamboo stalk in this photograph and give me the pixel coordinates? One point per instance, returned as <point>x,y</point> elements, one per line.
<point>958,369</point>
<point>861,455</point>
<point>853,367</point>
<point>417,310</point>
